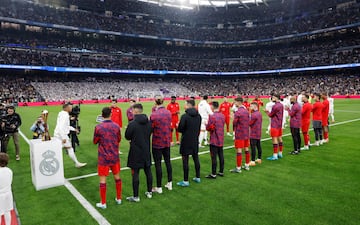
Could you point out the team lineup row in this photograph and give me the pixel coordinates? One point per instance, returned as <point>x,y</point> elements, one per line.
<point>247,126</point>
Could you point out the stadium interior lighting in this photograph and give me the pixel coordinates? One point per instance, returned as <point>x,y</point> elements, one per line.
<point>191,4</point>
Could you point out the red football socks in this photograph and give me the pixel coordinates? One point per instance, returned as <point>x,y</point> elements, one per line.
<point>103,193</point>
<point>238,159</point>
<point>118,184</point>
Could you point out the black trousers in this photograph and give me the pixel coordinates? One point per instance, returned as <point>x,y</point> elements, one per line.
<point>2,144</point>
<point>216,151</point>
<point>157,155</point>
<point>295,133</point>
<point>255,144</point>
<point>185,159</point>
<point>74,140</point>
<point>135,180</point>
<point>317,130</point>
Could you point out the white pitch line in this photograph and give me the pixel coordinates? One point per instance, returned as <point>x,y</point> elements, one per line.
<point>205,152</point>
<point>86,204</point>
<point>348,111</point>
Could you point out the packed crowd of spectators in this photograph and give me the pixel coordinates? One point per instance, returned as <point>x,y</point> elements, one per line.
<point>292,25</point>
<point>104,88</point>
<point>52,88</point>
<point>19,56</point>
<point>17,89</point>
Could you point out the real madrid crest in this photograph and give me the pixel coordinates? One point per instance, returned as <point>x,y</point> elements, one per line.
<point>49,165</point>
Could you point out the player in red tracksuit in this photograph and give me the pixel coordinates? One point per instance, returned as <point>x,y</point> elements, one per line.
<point>325,118</point>
<point>174,109</point>
<point>116,114</point>
<point>295,124</point>
<point>161,127</point>
<point>129,111</point>
<point>276,116</point>
<point>215,126</point>
<point>317,119</point>
<point>255,133</point>
<point>107,136</point>
<point>225,108</point>
<point>241,129</point>
<point>305,120</point>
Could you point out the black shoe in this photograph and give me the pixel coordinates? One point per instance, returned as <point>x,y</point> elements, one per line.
<point>210,176</point>
<point>220,174</point>
<point>294,152</point>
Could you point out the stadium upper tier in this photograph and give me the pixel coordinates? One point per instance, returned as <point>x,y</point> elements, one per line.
<point>280,26</point>
<point>27,48</point>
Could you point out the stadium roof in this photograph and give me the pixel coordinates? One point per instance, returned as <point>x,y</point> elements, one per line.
<point>190,4</point>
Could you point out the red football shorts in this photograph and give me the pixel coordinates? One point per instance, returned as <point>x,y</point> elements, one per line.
<point>275,132</point>
<point>241,143</point>
<point>174,123</point>
<point>305,125</point>
<point>325,123</point>
<point>104,170</point>
<point>227,119</point>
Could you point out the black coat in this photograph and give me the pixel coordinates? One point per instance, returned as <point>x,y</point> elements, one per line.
<point>189,126</point>
<point>138,133</point>
<point>10,120</point>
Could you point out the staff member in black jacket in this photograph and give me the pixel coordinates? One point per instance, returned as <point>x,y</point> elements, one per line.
<point>12,124</point>
<point>189,126</point>
<point>138,133</point>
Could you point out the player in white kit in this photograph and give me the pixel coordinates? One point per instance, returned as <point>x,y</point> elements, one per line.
<point>268,108</point>
<point>204,110</point>
<point>331,108</point>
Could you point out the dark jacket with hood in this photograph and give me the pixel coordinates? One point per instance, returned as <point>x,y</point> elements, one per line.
<point>189,126</point>
<point>138,133</point>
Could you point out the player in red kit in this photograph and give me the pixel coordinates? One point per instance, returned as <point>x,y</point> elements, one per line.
<point>258,101</point>
<point>276,116</point>
<point>116,114</point>
<point>225,108</point>
<point>305,120</point>
<point>241,128</point>
<point>317,119</point>
<point>174,109</point>
<point>107,136</point>
<point>325,118</point>
<point>246,102</point>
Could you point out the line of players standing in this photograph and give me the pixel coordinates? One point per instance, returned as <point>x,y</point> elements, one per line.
<point>209,117</point>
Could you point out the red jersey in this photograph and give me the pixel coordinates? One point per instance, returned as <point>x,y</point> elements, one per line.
<point>259,102</point>
<point>325,111</point>
<point>225,108</point>
<point>247,105</point>
<point>306,112</point>
<point>174,109</point>
<point>317,111</point>
<point>116,115</point>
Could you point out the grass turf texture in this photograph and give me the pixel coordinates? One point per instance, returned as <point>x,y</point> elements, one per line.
<point>316,187</point>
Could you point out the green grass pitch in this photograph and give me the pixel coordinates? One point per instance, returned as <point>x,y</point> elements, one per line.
<point>320,186</point>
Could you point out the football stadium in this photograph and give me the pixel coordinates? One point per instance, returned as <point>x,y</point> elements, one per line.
<point>179,112</point>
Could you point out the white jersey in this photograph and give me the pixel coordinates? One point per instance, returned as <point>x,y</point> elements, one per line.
<point>269,105</point>
<point>204,109</point>
<point>63,127</point>
<point>299,99</point>
<point>234,108</point>
<point>331,105</point>
<point>6,197</point>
